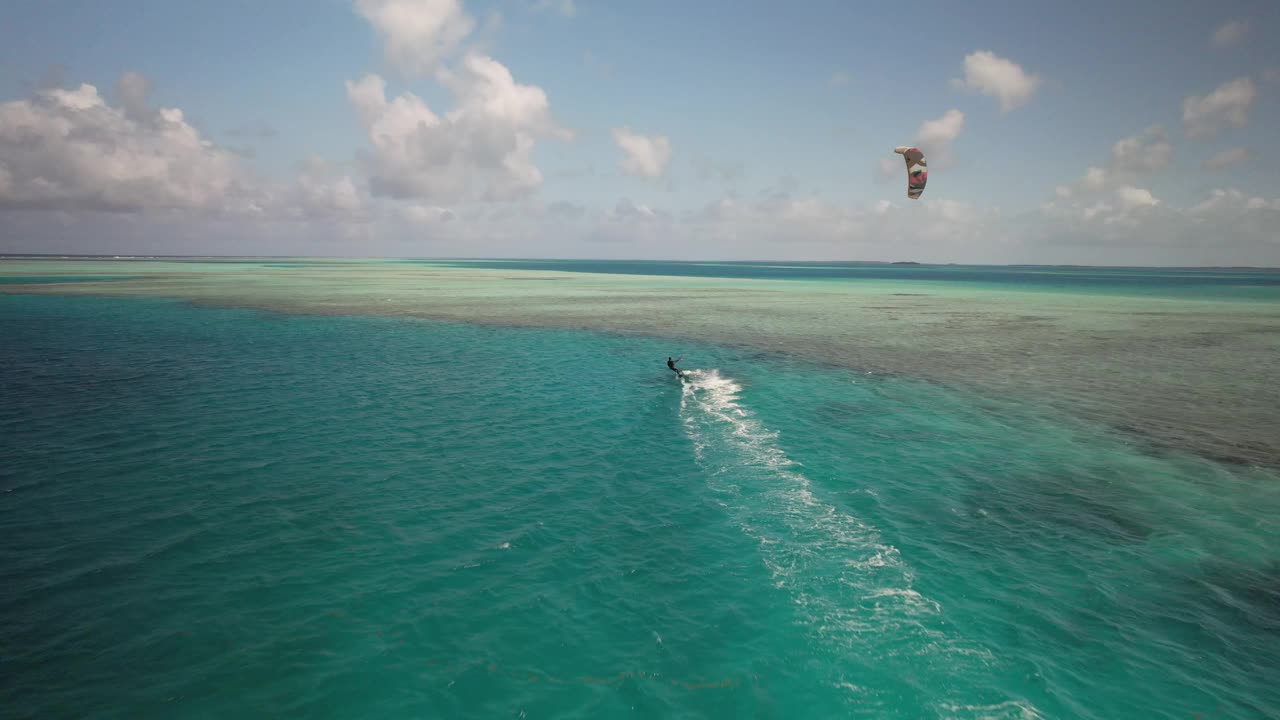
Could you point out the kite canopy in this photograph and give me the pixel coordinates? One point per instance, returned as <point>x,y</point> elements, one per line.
<point>917,170</point>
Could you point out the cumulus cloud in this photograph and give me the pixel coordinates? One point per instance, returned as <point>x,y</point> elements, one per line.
<point>1229,33</point>
<point>1134,198</point>
<point>1095,178</point>
<point>942,131</point>
<point>426,215</point>
<point>1224,159</point>
<point>479,150</point>
<point>1227,106</point>
<point>772,226</point>
<point>70,152</point>
<point>642,155</point>
<point>627,211</point>
<point>417,34</point>
<point>1229,227</point>
<point>1231,199</point>
<point>998,77</point>
<point>1123,226</point>
<point>934,138</point>
<point>1144,153</point>
<point>1124,205</point>
<point>629,224</point>
<point>779,225</point>
<point>69,149</point>
<point>1147,152</point>
<point>323,191</point>
<point>1127,225</point>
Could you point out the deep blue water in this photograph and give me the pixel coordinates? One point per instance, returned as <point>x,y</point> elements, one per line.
<point>1252,283</point>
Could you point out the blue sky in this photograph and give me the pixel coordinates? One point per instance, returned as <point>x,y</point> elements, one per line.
<point>776,120</point>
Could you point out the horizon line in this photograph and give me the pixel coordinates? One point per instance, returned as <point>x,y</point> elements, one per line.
<point>119,256</point>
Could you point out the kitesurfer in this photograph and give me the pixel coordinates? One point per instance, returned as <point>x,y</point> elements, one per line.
<point>672,364</point>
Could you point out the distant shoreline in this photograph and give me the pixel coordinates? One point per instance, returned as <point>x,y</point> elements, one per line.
<point>70,256</point>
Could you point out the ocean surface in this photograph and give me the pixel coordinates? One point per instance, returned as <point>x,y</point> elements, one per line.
<point>378,489</point>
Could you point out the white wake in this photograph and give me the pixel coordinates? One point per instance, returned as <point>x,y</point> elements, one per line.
<point>852,590</point>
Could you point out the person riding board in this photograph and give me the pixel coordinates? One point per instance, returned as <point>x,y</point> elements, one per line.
<point>672,364</point>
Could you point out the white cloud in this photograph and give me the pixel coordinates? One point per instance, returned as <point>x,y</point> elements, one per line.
<point>774,226</point>
<point>1095,178</point>
<point>1227,106</point>
<point>942,131</point>
<point>417,34</point>
<point>1146,152</point>
<point>1133,198</point>
<point>1096,210</point>
<point>481,149</point>
<point>426,215</point>
<point>1226,158</point>
<point>840,78</point>
<point>1137,208</point>
<point>1126,226</point>
<point>643,155</point>
<point>934,137</point>
<point>627,224</point>
<point>1000,78</point>
<point>784,226</point>
<point>69,149</point>
<point>1229,33</point>
<point>80,175</point>
<point>627,211</point>
<point>1231,200</point>
<point>1227,228</point>
<point>323,191</point>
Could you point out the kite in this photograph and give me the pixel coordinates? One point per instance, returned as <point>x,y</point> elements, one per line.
<point>917,170</point>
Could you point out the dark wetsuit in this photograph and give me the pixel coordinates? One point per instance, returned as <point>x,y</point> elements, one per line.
<point>672,364</point>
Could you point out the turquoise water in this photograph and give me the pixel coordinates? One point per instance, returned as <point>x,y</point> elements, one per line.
<point>211,513</point>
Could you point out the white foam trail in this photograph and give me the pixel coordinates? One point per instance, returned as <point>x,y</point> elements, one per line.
<point>808,545</point>
<point>854,591</point>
